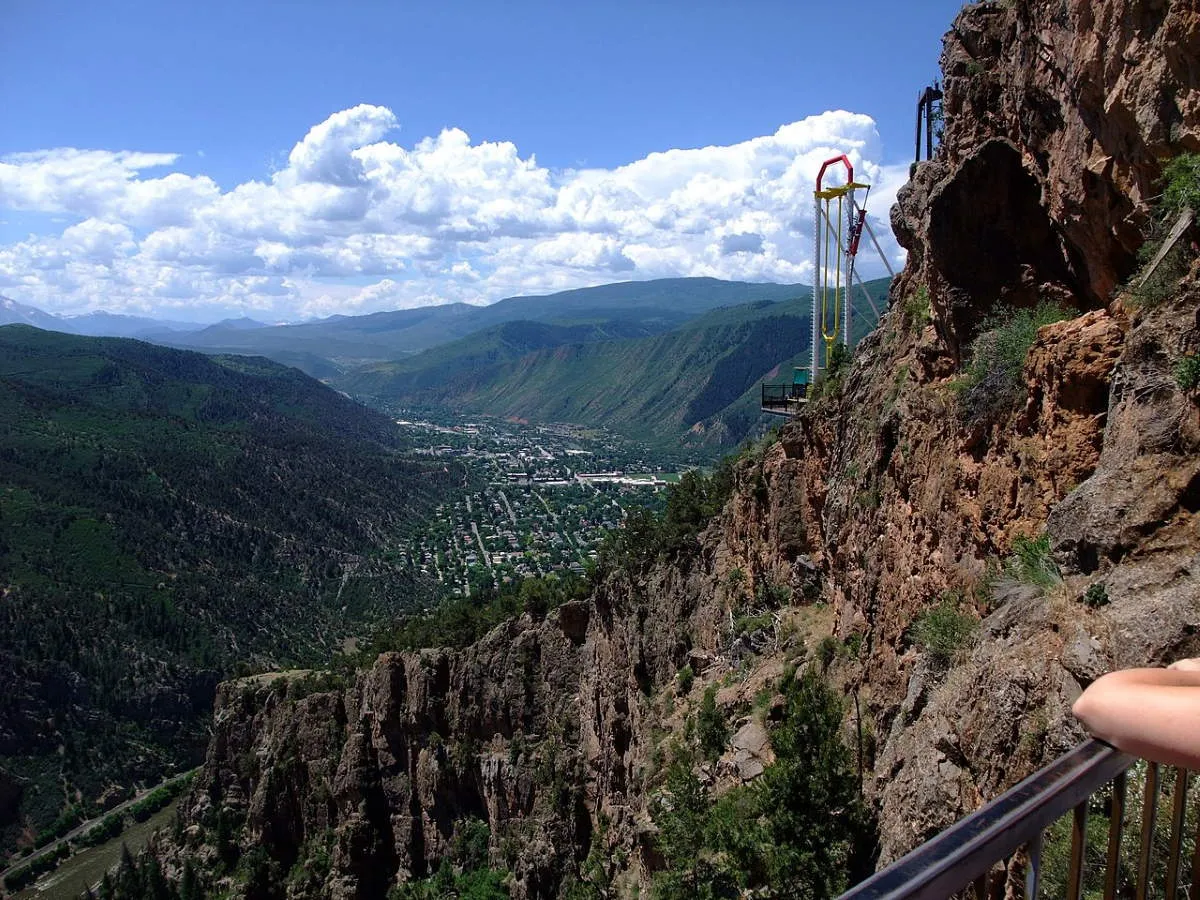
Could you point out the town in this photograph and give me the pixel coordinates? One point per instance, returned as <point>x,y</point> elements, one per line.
<point>538,501</point>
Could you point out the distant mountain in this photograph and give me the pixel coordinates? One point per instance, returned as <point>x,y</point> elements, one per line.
<point>692,383</point>
<point>345,342</point>
<point>106,324</point>
<point>242,323</point>
<point>14,313</point>
<point>164,514</point>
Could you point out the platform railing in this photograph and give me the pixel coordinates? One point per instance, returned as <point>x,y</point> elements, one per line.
<point>972,857</point>
<point>782,396</point>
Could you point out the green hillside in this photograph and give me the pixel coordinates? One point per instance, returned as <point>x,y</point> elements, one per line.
<point>635,307</point>
<point>163,515</point>
<point>694,380</point>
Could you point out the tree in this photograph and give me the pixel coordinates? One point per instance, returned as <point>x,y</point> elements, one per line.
<point>813,817</point>
<point>711,728</point>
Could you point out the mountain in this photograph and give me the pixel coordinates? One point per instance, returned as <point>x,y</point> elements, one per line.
<point>14,313</point>
<point>350,341</point>
<point>698,378</point>
<point>106,324</point>
<point>163,516</point>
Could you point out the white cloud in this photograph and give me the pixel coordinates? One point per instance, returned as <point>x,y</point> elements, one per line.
<point>441,221</point>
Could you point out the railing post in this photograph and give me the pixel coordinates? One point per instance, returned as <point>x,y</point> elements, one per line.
<point>1149,814</point>
<point>963,855</point>
<point>1078,850</point>
<point>1178,811</point>
<point>1195,891</point>
<point>1116,819</point>
<point>1033,874</point>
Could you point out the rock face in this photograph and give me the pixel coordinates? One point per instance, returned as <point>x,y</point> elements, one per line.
<point>1057,117</point>
<point>878,503</point>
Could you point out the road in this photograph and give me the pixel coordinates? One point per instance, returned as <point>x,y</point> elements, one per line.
<point>89,824</point>
<point>508,506</point>
<point>487,560</point>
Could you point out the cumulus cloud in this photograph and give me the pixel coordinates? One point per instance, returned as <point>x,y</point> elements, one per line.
<point>355,222</point>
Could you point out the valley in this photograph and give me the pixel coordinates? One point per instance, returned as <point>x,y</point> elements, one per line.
<point>530,601</point>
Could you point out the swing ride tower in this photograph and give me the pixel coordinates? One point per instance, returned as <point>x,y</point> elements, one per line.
<point>838,225</point>
<point>839,220</point>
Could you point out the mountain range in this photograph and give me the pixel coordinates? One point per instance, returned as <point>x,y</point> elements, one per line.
<point>697,382</point>
<point>670,360</point>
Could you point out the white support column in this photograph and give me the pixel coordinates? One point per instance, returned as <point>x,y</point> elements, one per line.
<point>816,304</point>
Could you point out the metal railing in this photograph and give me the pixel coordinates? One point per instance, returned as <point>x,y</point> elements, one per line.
<point>1091,779</point>
<point>782,396</point>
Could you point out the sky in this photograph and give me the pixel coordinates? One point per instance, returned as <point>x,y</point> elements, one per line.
<point>289,159</point>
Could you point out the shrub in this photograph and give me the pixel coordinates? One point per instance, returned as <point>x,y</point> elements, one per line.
<point>827,650</point>
<point>943,631</point>
<point>1181,188</point>
<point>1187,372</point>
<point>853,644</point>
<point>750,624</point>
<point>686,677</point>
<point>799,830</point>
<point>829,379</point>
<point>994,379</point>
<point>1096,596</point>
<point>712,730</point>
<point>916,308</point>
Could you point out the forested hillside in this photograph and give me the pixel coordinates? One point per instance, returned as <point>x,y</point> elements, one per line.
<point>698,382</point>
<point>163,516</point>
<point>343,342</point>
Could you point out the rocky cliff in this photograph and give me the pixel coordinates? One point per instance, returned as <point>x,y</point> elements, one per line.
<point>888,497</point>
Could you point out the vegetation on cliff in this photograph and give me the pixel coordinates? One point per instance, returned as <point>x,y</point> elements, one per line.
<point>799,830</point>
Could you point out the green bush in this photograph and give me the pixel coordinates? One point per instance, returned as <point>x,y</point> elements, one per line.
<point>827,650</point>
<point>686,677</point>
<point>1181,188</point>
<point>1096,596</point>
<point>646,536</point>
<point>944,631</point>
<point>994,381</point>
<point>712,730</point>
<point>917,309</point>
<point>799,830</point>
<point>109,827</point>
<point>1187,372</point>
<point>750,624</point>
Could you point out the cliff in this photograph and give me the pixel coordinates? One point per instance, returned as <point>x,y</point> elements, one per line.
<point>907,487</point>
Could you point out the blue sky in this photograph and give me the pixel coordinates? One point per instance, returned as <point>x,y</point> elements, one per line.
<point>224,93</point>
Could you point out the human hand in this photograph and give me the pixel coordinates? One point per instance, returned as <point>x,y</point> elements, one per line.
<point>1187,665</point>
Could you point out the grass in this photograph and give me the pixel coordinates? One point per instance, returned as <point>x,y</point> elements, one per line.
<point>1031,562</point>
<point>994,379</point>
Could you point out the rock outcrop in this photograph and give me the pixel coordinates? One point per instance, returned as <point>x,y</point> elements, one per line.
<point>1057,119</point>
